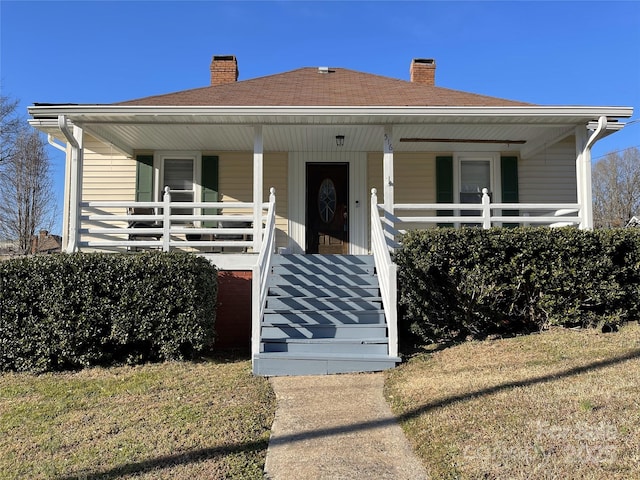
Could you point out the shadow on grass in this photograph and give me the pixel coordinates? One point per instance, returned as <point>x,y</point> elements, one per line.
<point>208,453</point>
<point>157,464</point>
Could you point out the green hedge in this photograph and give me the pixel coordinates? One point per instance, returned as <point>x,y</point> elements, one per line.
<point>71,311</point>
<point>457,283</point>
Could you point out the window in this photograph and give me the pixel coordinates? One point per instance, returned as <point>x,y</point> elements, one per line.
<point>474,173</point>
<point>179,173</point>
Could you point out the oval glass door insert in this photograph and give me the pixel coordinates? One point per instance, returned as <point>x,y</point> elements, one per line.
<point>327,200</point>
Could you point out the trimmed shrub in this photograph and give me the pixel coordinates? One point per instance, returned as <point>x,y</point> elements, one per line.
<point>71,311</point>
<point>457,283</point>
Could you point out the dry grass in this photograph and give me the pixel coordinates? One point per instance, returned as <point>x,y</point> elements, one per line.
<point>561,404</point>
<point>171,420</point>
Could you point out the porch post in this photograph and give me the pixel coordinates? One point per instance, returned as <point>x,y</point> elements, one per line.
<point>75,139</point>
<point>581,141</point>
<point>584,143</point>
<point>387,170</point>
<point>257,187</point>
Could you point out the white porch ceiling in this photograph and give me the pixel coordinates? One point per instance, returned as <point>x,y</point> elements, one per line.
<point>506,129</point>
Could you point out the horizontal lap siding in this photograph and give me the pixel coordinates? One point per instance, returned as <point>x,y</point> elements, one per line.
<point>414,180</point>
<point>236,184</point>
<point>107,175</point>
<point>549,177</point>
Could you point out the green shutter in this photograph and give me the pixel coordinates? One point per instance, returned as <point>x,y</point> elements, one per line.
<point>444,186</point>
<point>509,183</point>
<point>209,182</point>
<point>144,178</point>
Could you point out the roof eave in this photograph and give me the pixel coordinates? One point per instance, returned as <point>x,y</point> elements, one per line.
<point>95,111</point>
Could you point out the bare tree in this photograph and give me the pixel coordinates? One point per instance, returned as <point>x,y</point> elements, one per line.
<point>27,201</point>
<point>616,188</point>
<point>10,124</point>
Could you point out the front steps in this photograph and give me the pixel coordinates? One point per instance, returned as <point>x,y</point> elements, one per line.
<point>323,315</point>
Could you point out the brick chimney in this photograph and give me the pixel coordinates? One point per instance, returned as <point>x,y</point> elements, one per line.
<point>423,70</point>
<point>224,69</point>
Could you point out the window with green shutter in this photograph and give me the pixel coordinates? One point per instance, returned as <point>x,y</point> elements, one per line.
<point>444,186</point>
<point>144,178</point>
<point>509,184</point>
<point>209,182</point>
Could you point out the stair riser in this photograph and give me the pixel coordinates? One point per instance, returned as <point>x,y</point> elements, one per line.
<point>312,291</point>
<point>325,318</point>
<point>281,367</point>
<point>283,303</point>
<point>351,348</point>
<point>321,331</point>
<point>327,281</point>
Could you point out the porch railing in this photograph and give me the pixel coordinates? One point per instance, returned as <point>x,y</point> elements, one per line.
<point>387,272</point>
<point>260,274</point>
<point>120,225</point>
<point>485,214</point>
<point>386,227</point>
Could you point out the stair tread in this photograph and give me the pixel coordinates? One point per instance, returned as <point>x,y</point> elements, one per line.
<point>284,323</point>
<point>280,311</point>
<point>326,340</point>
<point>324,299</point>
<point>324,356</point>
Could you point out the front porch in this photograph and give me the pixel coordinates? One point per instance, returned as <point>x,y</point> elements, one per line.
<point>240,231</point>
<point>322,314</point>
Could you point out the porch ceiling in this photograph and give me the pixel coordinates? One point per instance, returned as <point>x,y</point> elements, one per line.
<point>289,129</point>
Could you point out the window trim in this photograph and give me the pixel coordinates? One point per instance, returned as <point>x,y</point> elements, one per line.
<point>158,167</point>
<point>494,170</point>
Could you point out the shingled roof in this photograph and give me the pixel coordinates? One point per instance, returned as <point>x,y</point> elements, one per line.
<point>323,87</point>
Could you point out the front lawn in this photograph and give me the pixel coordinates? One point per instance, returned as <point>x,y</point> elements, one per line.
<point>168,420</point>
<point>560,404</point>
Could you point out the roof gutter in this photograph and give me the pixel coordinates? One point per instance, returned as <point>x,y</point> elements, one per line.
<point>80,111</point>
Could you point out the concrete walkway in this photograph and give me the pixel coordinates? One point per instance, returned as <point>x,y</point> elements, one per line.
<point>337,427</point>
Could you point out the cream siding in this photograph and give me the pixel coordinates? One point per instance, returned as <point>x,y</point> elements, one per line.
<point>108,175</point>
<point>235,184</point>
<point>414,180</point>
<point>549,177</point>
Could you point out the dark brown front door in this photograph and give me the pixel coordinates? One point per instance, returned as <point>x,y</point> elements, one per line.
<point>327,208</point>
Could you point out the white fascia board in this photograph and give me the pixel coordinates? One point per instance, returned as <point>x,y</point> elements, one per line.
<point>95,111</point>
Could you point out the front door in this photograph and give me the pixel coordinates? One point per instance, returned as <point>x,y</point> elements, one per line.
<point>327,224</point>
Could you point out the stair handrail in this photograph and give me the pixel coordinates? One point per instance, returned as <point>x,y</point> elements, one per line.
<point>387,272</point>
<point>260,274</point>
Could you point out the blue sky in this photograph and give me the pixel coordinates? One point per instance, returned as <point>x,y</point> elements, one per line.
<point>544,52</point>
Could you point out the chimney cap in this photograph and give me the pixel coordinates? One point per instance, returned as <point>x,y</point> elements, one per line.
<point>223,58</point>
<point>426,61</point>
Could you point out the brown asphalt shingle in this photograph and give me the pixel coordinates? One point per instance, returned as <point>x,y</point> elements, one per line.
<point>307,87</point>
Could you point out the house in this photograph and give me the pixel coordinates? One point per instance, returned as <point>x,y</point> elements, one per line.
<point>45,243</point>
<point>317,160</point>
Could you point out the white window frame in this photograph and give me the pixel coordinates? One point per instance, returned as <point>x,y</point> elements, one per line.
<point>494,167</point>
<point>493,158</point>
<point>158,166</point>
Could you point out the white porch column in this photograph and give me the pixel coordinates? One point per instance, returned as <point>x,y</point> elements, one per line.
<point>258,169</point>
<point>581,142</point>
<point>75,140</point>
<point>387,172</point>
<point>584,143</point>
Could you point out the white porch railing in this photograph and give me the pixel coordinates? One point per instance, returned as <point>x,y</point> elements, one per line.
<point>487,214</point>
<point>117,226</point>
<point>260,274</point>
<point>387,273</point>
<point>386,226</point>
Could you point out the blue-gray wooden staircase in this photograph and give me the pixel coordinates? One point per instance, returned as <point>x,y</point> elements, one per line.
<point>323,315</point>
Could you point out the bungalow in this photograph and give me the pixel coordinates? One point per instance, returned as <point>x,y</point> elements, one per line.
<point>296,185</point>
